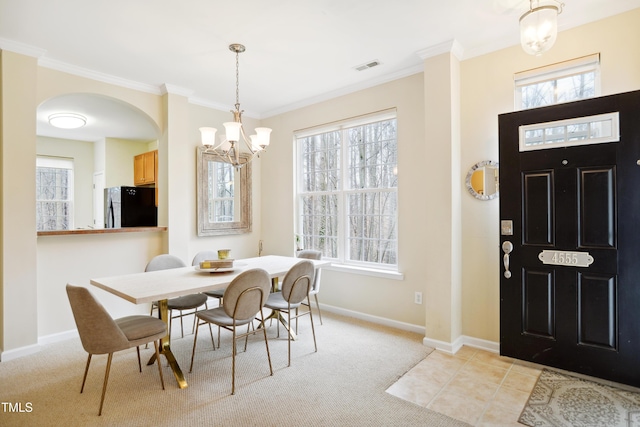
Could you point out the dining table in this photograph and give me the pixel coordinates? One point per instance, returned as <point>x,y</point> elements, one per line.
<point>162,285</point>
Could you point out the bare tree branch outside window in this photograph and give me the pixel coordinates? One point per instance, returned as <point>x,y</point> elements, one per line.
<point>361,193</point>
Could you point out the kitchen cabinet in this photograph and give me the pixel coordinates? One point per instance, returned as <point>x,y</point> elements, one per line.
<point>145,168</point>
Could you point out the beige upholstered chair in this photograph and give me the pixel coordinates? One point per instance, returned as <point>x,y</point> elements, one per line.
<point>315,288</point>
<point>101,334</point>
<point>187,302</point>
<point>243,300</point>
<point>296,286</point>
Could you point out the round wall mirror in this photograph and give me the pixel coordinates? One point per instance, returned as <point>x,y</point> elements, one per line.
<point>482,180</point>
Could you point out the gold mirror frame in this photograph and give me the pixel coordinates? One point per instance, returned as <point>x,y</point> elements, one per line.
<point>208,228</point>
<point>481,168</point>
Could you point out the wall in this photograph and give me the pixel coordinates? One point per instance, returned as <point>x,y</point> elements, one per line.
<point>487,88</point>
<point>33,302</point>
<point>376,296</point>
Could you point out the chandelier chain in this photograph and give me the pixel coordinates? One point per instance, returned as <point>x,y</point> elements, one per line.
<point>237,79</point>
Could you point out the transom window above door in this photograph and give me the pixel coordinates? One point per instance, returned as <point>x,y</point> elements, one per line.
<point>562,82</point>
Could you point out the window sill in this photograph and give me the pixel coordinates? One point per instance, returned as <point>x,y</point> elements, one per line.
<point>386,274</point>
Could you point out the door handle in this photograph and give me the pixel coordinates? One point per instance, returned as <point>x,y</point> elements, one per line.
<point>507,247</point>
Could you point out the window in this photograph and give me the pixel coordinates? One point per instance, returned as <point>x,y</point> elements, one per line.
<point>347,194</point>
<point>557,83</point>
<point>54,194</point>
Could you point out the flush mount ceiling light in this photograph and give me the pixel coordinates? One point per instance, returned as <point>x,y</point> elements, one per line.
<point>67,120</point>
<point>229,148</point>
<point>539,26</point>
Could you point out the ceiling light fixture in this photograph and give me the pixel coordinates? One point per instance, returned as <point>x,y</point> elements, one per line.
<point>539,27</point>
<point>67,120</point>
<point>229,147</point>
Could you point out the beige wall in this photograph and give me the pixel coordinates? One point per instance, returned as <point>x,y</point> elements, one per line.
<point>465,254</point>
<point>487,88</point>
<point>376,296</point>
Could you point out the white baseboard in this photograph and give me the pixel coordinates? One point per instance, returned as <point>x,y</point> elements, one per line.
<point>446,347</point>
<point>20,352</point>
<point>374,319</point>
<point>60,336</point>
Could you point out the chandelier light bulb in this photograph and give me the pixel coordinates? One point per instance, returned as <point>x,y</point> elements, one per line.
<point>208,136</point>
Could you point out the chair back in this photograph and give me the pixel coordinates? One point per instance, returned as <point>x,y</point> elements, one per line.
<point>164,262</point>
<point>246,294</point>
<point>98,332</point>
<point>204,256</point>
<point>313,254</point>
<point>296,284</point>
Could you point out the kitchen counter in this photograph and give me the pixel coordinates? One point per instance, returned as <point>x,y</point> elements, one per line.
<point>101,231</point>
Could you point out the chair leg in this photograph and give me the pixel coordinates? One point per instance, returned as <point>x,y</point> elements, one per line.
<point>233,361</point>
<point>317,305</point>
<point>266,343</point>
<point>106,379</point>
<point>289,335</point>
<point>86,370</point>
<point>195,340</point>
<point>213,341</point>
<point>313,329</point>
<point>139,362</point>
<point>155,344</point>
<point>181,324</point>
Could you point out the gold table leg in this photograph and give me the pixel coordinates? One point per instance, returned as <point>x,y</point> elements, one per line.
<point>165,347</point>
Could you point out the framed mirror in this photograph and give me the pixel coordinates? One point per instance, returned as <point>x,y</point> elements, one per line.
<point>482,180</point>
<point>223,195</point>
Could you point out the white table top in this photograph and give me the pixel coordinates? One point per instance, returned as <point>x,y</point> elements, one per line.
<point>151,286</point>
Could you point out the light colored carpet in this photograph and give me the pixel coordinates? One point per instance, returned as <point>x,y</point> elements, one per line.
<point>343,384</point>
<point>560,400</point>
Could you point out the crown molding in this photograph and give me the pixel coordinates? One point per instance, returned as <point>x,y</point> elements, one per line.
<point>96,75</point>
<point>175,90</point>
<point>21,48</point>
<point>346,90</point>
<point>450,46</point>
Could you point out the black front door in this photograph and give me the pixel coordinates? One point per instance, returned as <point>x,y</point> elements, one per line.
<point>570,236</point>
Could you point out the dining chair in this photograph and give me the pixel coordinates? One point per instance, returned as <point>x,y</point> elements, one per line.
<point>315,287</point>
<point>296,286</point>
<point>243,300</point>
<point>101,334</point>
<point>187,302</point>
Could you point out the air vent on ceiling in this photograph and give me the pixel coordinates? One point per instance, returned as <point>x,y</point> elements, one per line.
<point>368,65</point>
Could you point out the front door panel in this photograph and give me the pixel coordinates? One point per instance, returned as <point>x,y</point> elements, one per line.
<point>575,305</point>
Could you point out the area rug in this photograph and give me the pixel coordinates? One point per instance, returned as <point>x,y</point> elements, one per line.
<point>560,400</point>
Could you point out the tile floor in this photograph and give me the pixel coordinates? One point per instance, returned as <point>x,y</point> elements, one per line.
<point>475,386</point>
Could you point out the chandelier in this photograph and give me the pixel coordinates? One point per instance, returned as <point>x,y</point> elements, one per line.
<point>229,145</point>
<point>539,27</point>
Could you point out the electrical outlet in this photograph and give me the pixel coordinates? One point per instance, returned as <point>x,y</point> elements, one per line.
<point>418,298</point>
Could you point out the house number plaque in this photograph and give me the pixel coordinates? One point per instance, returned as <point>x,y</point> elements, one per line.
<point>566,258</point>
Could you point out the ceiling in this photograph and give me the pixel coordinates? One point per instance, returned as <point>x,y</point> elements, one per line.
<point>297,51</point>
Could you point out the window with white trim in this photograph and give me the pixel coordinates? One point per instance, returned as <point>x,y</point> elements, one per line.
<point>54,193</point>
<point>347,190</point>
<point>562,82</point>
